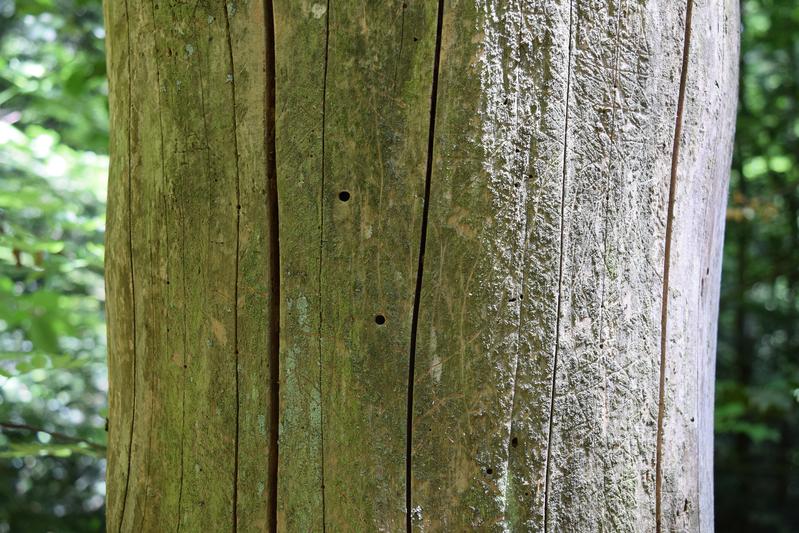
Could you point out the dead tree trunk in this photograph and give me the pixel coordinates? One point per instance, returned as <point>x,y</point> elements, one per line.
<point>442,266</point>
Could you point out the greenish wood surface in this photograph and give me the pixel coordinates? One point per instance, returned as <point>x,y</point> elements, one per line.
<point>495,211</point>
<point>190,203</point>
<point>119,289</point>
<point>300,32</point>
<point>377,106</point>
<point>257,303</point>
<point>272,289</point>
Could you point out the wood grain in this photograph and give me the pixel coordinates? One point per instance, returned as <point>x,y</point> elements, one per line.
<point>301,36</point>
<point>626,62</point>
<point>702,178</point>
<point>494,211</point>
<point>379,75</point>
<point>332,222</point>
<point>199,259</point>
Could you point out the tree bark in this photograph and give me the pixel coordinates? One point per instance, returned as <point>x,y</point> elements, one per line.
<point>435,266</point>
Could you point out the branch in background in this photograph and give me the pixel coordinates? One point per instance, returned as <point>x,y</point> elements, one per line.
<point>54,434</point>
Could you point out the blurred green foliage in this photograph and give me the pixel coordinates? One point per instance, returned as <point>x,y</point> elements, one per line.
<point>53,137</point>
<point>757,391</point>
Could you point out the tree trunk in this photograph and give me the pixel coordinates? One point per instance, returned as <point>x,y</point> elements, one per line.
<point>442,266</point>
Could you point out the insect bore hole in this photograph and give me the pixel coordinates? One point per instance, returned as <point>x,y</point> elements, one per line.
<point>380,320</point>
<point>344,196</point>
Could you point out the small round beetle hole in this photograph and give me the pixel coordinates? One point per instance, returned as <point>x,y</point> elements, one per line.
<point>343,196</point>
<point>489,471</point>
<point>380,320</point>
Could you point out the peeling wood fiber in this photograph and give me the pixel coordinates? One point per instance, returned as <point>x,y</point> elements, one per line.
<point>385,266</point>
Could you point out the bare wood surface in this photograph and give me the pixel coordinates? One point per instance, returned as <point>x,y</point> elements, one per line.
<point>385,265</point>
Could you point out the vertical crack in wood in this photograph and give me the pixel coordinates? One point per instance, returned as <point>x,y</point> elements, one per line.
<point>183,266</point>
<point>548,468</point>
<point>321,255</point>
<point>270,152</point>
<point>675,157</point>
<point>185,351</point>
<point>185,324</point>
<point>132,280</point>
<point>420,267</point>
<point>150,432</point>
<point>236,266</point>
